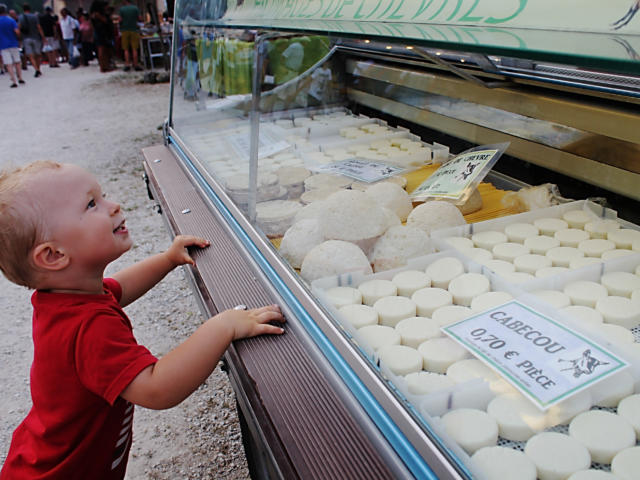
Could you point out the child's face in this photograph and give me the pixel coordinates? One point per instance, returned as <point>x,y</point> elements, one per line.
<point>80,219</point>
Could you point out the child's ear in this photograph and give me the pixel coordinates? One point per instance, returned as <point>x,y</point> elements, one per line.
<point>47,257</point>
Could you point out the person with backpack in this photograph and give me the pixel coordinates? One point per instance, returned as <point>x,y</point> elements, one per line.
<point>32,37</point>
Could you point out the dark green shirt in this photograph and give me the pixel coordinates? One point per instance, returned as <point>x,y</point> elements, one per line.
<point>129,18</point>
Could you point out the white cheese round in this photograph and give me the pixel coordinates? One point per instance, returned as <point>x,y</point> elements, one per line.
<point>540,244</point>
<point>508,251</point>
<point>620,283</point>
<point>489,300</point>
<point>397,245</point>
<point>499,266</point>
<point>557,456</point>
<point>626,464</point>
<point>439,353</point>
<point>410,281</point>
<point>549,226</point>
<point>350,215</point>
<point>470,369</point>
<point>570,237</point>
<point>624,237</point>
<point>435,215</point>
<point>563,412</point>
<point>577,218</point>
<point>562,256</point>
<point>428,300</point>
<point>443,270</point>
<point>502,463</point>
<point>299,239</point>
<point>610,391</point>
<point>519,232</point>
<point>312,196</point>
<point>341,296</point>
<point>325,180</point>
<point>585,292</point>
<point>471,429</point>
<point>393,309</point>
<point>518,419</point>
<point>416,330</point>
<point>550,271</point>
<point>467,286</point>
<point>600,228</point>
<point>553,297</point>
<point>450,314</point>
<point>619,311</point>
<point>583,314</point>
<point>580,262</point>
<point>617,253</point>
<point>595,247</point>
<point>400,359</point>
<point>276,216</point>
<point>359,316</point>
<point>531,262</point>
<point>629,409</point>
<point>517,277</point>
<point>603,433</point>
<point>391,196</point>
<point>459,243</point>
<point>479,255</point>
<point>423,383</point>
<point>378,336</point>
<point>488,239</point>
<point>614,334</point>
<point>334,257</point>
<point>374,290</point>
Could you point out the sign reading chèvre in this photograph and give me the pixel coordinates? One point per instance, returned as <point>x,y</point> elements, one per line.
<point>542,358</point>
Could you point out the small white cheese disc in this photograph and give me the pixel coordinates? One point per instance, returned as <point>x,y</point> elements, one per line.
<point>423,383</point>
<point>470,369</point>
<point>580,262</point>
<point>626,464</point>
<point>553,297</point>
<point>488,239</point>
<point>570,237</point>
<point>603,433</point>
<point>502,463</point>
<point>499,266</point>
<point>563,412</point>
<point>393,309</point>
<point>585,292</point>
<point>318,194</point>
<point>428,300</point>
<point>416,330</point>
<point>610,391</point>
<point>517,278</point>
<point>600,228</point>
<point>489,300</point>
<point>450,314</point>
<point>614,334</point>
<point>617,253</point>
<point>595,247</point>
<point>479,255</point>
<point>550,271</point>
<point>467,286</point>
<point>620,283</point>
<point>593,475</point>
<point>410,281</point>
<point>325,180</point>
<point>359,316</point>
<point>577,218</point>
<point>619,311</point>
<point>541,243</point>
<point>341,296</point>
<point>519,232</point>
<point>443,270</point>
<point>439,353</point>
<point>374,290</point>
<point>584,314</point>
<point>378,336</point>
<point>400,359</point>
<point>557,456</point>
<point>624,237</point>
<point>531,262</point>
<point>549,226</point>
<point>459,243</point>
<point>508,251</point>
<point>471,429</point>
<point>629,409</point>
<point>562,256</point>
<point>518,419</point>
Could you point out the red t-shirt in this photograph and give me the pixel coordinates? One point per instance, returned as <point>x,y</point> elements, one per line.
<point>85,355</point>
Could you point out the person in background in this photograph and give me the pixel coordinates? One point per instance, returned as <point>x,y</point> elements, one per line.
<point>51,44</point>
<point>9,47</point>
<point>23,59</point>
<point>130,38</point>
<point>68,27</point>
<point>101,33</point>
<point>86,38</point>
<point>32,37</point>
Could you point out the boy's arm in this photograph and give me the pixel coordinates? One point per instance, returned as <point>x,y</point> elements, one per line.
<point>176,375</point>
<point>137,279</point>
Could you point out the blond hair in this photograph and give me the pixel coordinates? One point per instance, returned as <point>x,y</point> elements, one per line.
<point>22,222</point>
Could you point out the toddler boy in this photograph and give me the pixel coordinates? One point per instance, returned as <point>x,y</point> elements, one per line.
<point>58,233</point>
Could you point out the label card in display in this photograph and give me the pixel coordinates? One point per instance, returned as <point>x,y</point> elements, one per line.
<point>543,359</point>
<point>360,169</point>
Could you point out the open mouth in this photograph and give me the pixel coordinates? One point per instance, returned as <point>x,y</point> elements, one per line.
<point>120,228</point>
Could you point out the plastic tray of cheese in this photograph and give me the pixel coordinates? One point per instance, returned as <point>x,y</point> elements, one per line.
<point>449,388</point>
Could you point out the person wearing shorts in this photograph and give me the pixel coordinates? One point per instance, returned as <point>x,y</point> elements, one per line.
<point>51,45</point>
<point>129,36</point>
<point>9,49</point>
<point>32,37</point>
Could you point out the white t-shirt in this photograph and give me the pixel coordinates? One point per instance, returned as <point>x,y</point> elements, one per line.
<point>68,24</point>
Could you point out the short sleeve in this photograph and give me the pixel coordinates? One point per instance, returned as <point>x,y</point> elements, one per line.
<point>112,285</point>
<point>107,355</point>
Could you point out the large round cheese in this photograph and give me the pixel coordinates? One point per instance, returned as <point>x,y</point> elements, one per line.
<point>603,433</point>
<point>350,215</point>
<point>435,215</point>
<point>556,456</point>
<point>471,429</point>
<point>299,239</point>
<point>333,257</point>
<point>391,196</point>
<point>397,245</point>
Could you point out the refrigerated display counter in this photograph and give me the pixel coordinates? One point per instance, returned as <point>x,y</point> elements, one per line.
<point>298,136</point>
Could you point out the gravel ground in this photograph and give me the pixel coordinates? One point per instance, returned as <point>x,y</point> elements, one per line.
<point>102,121</point>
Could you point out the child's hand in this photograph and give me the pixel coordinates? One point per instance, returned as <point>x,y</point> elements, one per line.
<point>177,252</point>
<point>249,323</point>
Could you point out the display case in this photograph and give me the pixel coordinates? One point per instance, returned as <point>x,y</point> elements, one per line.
<point>298,135</point>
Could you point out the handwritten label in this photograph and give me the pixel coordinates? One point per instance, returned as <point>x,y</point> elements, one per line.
<point>543,359</point>
<point>453,178</point>
<point>360,169</point>
<point>268,144</point>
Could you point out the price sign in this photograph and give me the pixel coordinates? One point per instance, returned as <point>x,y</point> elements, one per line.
<point>268,143</point>
<point>361,169</point>
<point>542,358</point>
